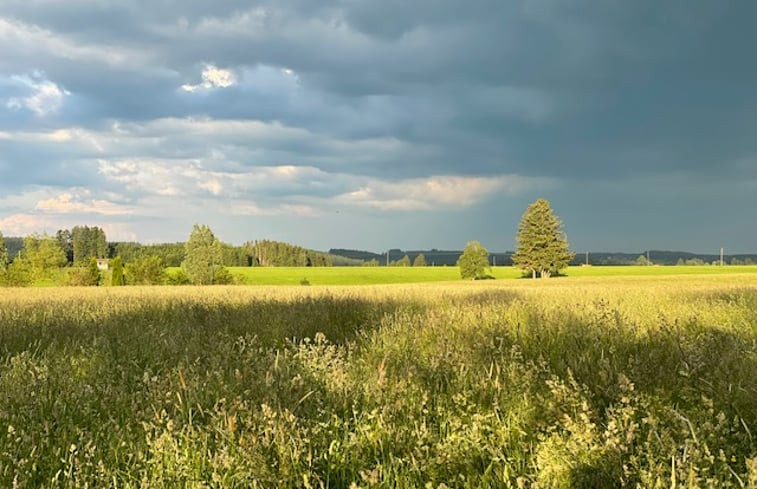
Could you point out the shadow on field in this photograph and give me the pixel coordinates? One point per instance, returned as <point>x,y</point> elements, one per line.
<point>187,328</point>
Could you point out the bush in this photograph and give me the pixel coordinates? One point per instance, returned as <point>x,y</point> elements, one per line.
<point>177,277</point>
<point>79,277</point>
<point>146,270</point>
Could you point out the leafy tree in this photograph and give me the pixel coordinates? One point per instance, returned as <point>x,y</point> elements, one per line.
<point>371,263</point>
<point>117,273</point>
<point>146,270</point>
<point>474,262</point>
<point>4,258</point>
<point>16,274</point>
<point>542,245</point>
<point>642,260</point>
<point>420,261</point>
<point>42,258</point>
<point>204,257</point>
<point>404,261</point>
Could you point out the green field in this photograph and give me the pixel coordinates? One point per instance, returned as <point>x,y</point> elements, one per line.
<point>580,382</point>
<point>397,275</point>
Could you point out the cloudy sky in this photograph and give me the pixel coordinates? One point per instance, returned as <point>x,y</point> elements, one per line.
<point>375,124</point>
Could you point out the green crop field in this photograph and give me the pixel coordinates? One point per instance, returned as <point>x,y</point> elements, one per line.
<point>396,275</point>
<point>576,382</point>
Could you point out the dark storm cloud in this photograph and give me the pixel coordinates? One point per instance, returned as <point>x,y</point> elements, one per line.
<point>390,90</point>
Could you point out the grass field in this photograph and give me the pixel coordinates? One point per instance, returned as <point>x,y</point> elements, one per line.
<point>578,382</point>
<point>396,275</point>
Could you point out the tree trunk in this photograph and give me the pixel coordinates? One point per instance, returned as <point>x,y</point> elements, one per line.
<point>533,273</point>
<point>545,274</point>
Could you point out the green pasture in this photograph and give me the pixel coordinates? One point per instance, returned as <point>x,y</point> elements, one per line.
<point>398,275</point>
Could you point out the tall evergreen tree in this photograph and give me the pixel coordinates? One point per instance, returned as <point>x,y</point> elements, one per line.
<point>93,272</point>
<point>542,244</point>
<point>88,242</point>
<point>203,264</point>
<point>63,236</point>
<point>117,272</point>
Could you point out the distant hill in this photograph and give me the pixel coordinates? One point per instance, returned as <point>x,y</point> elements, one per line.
<point>13,245</point>
<point>660,257</point>
<point>356,254</point>
<point>449,257</point>
<point>283,254</point>
<point>433,257</point>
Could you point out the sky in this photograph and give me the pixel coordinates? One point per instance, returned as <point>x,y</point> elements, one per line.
<point>382,124</point>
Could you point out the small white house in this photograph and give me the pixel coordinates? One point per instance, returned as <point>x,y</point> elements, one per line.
<point>103,264</point>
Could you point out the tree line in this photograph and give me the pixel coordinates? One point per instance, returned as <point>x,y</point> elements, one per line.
<point>70,257</point>
<point>542,251</point>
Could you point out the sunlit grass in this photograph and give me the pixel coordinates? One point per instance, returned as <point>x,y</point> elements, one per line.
<point>577,382</point>
<point>397,275</point>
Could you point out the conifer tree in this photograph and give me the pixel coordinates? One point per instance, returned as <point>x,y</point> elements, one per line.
<point>542,244</point>
<point>419,261</point>
<point>117,274</point>
<point>93,272</point>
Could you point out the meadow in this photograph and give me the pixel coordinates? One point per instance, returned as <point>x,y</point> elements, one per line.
<point>576,382</point>
<point>398,275</point>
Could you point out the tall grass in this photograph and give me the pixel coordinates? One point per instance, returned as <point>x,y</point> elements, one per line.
<point>570,383</point>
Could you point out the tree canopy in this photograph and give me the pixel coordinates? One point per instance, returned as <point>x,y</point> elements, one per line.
<point>41,258</point>
<point>474,262</point>
<point>203,263</point>
<point>86,242</point>
<point>146,270</point>
<point>542,244</point>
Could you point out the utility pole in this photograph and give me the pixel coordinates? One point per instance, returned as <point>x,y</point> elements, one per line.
<point>494,259</point>
<point>387,258</point>
<point>648,262</point>
<point>587,258</point>
<point>721,256</point>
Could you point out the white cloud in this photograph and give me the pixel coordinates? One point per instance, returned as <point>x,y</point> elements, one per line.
<point>25,224</point>
<point>243,208</point>
<point>80,202</point>
<point>213,77</point>
<point>434,192</point>
<point>214,186</point>
<point>183,177</point>
<point>46,97</point>
<point>31,40</point>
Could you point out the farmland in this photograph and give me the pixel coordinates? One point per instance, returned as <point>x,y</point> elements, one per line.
<point>397,275</point>
<point>647,381</point>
